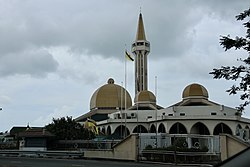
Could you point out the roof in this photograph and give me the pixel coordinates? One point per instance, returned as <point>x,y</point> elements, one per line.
<point>195,90</point>
<point>195,95</point>
<point>97,115</point>
<point>140,30</point>
<point>16,129</point>
<point>110,96</point>
<point>146,97</point>
<point>37,132</point>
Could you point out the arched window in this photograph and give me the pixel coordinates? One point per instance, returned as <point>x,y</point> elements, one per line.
<point>108,130</point>
<point>178,128</point>
<point>140,129</point>
<point>152,129</point>
<point>121,131</point>
<point>246,133</point>
<point>199,128</point>
<point>161,128</point>
<point>222,128</point>
<point>238,130</point>
<point>103,130</point>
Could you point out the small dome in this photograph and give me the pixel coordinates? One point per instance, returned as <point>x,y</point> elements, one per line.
<point>145,97</point>
<point>195,90</point>
<point>110,96</point>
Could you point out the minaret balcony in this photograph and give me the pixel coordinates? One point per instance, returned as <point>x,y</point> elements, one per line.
<point>141,45</point>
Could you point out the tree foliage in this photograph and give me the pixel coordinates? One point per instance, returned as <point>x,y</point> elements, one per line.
<point>68,129</point>
<point>241,73</point>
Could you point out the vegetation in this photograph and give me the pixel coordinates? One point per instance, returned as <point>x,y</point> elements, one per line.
<point>68,129</point>
<point>240,74</point>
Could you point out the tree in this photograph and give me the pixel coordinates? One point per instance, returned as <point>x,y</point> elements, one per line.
<point>240,74</point>
<point>68,129</point>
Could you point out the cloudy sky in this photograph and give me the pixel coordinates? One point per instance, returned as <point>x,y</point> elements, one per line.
<point>54,54</point>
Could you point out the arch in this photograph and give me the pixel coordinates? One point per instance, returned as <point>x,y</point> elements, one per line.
<point>222,128</point>
<point>108,130</point>
<point>246,133</point>
<point>238,130</point>
<point>152,129</point>
<point>140,129</point>
<point>103,130</point>
<point>178,128</point>
<point>199,128</point>
<point>161,128</point>
<point>121,131</point>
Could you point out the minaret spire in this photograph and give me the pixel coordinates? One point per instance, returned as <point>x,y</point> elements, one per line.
<point>141,48</point>
<point>140,30</point>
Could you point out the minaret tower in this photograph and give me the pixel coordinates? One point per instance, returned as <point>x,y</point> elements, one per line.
<point>141,49</point>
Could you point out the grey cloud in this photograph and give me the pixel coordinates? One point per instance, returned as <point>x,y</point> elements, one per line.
<point>93,28</point>
<point>97,29</point>
<point>225,9</point>
<point>32,62</point>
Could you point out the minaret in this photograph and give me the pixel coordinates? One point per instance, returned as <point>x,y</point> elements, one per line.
<point>140,49</point>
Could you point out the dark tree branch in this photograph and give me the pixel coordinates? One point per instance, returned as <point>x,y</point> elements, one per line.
<point>241,72</point>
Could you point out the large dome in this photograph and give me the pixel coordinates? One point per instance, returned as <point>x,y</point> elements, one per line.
<point>110,96</point>
<point>145,97</point>
<point>195,90</point>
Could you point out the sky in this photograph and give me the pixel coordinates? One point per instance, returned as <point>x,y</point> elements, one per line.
<point>54,54</point>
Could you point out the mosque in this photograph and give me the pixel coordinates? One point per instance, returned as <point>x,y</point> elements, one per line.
<point>112,108</point>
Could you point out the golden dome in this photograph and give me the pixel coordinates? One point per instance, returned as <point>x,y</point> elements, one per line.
<point>145,97</point>
<point>110,96</point>
<point>195,90</point>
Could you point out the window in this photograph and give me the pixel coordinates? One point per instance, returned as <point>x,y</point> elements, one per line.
<point>140,43</point>
<point>182,114</point>
<point>170,114</point>
<point>213,113</point>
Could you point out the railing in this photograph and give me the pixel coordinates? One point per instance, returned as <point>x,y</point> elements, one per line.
<point>188,141</point>
<point>179,148</point>
<point>85,144</point>
<point>180,157</point>
<point>54,154</point>
<point>8,145</point>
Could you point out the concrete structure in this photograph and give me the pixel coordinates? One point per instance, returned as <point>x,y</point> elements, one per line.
<point>240,159</point>
<point>195,114</point>
<point>125,150</point>
<point>230,146</point>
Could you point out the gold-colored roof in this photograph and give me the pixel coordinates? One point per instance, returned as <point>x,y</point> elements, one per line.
<point>140,29</point>
<point>145,97</point>
<point>196,90</point>
<point>110,96</point>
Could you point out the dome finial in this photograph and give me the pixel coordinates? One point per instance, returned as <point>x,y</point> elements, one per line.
<point>111,81</point>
